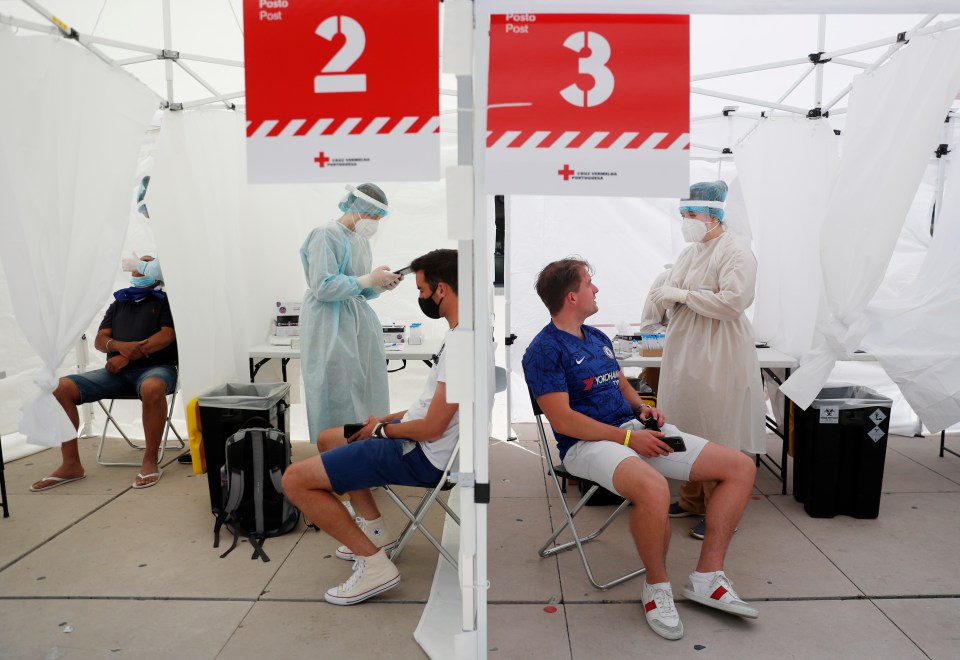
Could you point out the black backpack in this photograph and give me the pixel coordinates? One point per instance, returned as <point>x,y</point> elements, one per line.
<point>254,505</point>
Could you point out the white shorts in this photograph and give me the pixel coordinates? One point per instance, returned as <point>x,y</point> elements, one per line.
<point>596,461</point>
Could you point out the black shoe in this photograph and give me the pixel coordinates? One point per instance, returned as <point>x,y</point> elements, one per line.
<point>677,511</point>
<point>185,458</point>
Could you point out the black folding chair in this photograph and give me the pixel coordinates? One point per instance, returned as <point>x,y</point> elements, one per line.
<point>551,547</point>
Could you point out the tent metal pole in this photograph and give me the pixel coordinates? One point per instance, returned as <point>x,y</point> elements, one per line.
<point>880,60</point>
<point>850,63</point>
<point>193,74</point>
<point>803,76</point>
<point>69,32</point>
<point>483,254</point>
<point>752,101</point>
<point>215,99</point>
<point>167,46</point>
<point>821,44</point>
<point>918,31</point>
<point>29,25</point>
<point>945,135</point>
<point>749,69</point>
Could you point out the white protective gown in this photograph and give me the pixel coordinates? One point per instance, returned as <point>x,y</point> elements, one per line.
<point>710,382</point>
<point>342,359</point>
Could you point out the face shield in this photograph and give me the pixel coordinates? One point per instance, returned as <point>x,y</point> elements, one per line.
<point>365,212</point>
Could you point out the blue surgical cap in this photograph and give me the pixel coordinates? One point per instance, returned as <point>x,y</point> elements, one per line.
<point>706,191</point>
<point>352,203</point>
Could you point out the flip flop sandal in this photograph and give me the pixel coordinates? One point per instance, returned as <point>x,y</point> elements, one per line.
<point>57,481</point>
<point>157,474</point>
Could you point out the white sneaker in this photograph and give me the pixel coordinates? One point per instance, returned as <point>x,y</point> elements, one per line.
<point>375,531</point>
<point>660,610</point>
<point>371,576</point>
<point>718,592</point>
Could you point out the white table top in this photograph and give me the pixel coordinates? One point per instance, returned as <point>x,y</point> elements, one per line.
<point>424,351</point>
<point>768,357</point>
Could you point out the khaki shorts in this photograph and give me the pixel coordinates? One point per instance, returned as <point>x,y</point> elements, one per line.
<point>596,461</point>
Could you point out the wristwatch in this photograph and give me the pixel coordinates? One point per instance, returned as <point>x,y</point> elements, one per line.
<point>378,430</point>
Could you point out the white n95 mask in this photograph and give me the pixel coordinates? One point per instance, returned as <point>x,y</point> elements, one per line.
<point>693,230</point>
<point>366,228</point>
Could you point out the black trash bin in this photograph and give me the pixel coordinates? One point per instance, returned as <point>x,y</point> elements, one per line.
<point>840,443</point>
<point>225,409</point>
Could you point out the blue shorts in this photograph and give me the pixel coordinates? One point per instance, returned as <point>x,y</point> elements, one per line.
<point>101,384</point>
<point>378,462</point>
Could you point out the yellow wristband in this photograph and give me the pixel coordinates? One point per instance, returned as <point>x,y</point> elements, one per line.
<point>626,441</point>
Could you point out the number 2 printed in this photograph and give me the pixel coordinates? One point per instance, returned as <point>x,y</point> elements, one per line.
<point>592,64</point>
<point>333,77</point>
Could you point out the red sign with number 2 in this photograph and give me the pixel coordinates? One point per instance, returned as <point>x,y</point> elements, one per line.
<point>339,90</point>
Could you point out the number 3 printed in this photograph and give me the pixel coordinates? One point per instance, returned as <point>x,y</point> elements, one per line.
<point>591,65</point>
<point>332,78</point>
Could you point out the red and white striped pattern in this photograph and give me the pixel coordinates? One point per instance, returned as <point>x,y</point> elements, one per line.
<point>587,140</point>
<point>347,126</point>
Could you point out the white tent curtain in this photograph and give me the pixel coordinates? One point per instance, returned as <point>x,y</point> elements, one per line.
<point>914,334</point>
<point>223,248</point>
<point>894,117</point>
<point>70,130</point>
<point>785,168</point>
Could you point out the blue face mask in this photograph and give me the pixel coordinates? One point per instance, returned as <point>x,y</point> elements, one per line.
<point>142,282</point>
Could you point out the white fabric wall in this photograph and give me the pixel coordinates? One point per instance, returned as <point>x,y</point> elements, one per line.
<point>913,331</point>
<point>68,148</point>
<point>785,167</point>
<point>869,198</point>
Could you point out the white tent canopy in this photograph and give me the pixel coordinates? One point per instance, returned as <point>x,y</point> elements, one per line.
<point>210,225</point>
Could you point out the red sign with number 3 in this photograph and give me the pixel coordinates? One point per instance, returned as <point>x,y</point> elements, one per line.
<point>588,104</point>
<point>339,90</point>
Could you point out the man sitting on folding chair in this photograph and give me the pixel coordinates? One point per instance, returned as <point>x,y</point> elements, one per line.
<point>407,448</point>
<point>138,337</point>
<point>597,418</point>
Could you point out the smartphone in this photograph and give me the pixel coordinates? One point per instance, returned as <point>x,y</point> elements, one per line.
<point>403,271</point>
<point>351,429</point>
<point>675,442</point>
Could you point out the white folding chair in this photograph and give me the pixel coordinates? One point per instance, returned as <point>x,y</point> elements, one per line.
<point>167,427</point>
<point>431,494</point>
<point>551,547</point>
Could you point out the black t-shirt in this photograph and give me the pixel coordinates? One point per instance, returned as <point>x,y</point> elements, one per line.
<point>135,321</point>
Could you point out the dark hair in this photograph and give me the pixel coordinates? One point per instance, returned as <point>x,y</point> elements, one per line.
<point>437,266</point>
<point>559,278</point>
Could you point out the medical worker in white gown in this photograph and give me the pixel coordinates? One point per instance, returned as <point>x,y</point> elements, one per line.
<point>710,381</point>
<point>341,339</point>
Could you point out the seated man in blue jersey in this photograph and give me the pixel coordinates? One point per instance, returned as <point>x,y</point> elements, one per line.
<point>407,448</point>
<point>596,416</point>
<point>141,345</point>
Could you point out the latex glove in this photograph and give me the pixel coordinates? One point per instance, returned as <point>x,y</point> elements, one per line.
<point>381,279</point>
<point>673,295</point>
<point>130,265</point>
<point>384,277</point>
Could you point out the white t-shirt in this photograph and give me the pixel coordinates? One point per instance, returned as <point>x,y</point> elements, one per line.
<point>438,451</point>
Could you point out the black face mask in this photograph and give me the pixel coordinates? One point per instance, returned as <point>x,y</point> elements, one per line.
<point>429,308</point>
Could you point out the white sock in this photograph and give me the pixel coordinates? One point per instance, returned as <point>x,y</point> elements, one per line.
<point>704,577</point>
<point>660,585</point>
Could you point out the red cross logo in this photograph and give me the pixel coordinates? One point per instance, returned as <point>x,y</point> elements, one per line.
<point>566,172</point>
<point>321,160</point>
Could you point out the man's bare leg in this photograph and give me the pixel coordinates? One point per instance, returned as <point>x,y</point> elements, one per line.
<point>649,525</point>
<point>153,396</point>
<point>68,396</point>
<point>307,485</point>
<point>735,474</point>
